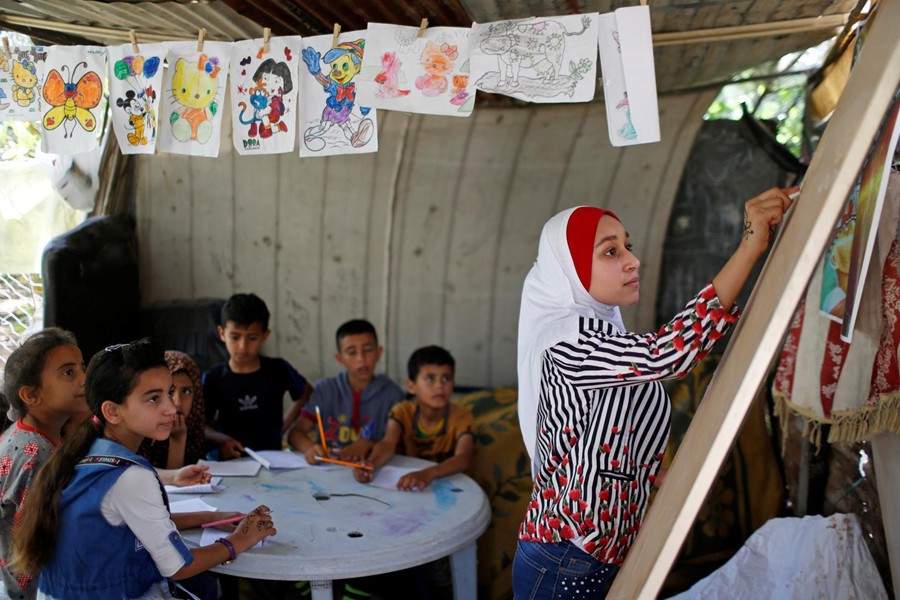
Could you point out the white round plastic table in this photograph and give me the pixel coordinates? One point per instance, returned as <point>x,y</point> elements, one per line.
<point>332,527</point>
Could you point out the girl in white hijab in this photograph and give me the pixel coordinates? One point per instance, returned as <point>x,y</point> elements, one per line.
<point>594,416</point>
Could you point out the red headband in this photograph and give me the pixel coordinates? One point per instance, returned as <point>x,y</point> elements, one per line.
<point>581,230</point>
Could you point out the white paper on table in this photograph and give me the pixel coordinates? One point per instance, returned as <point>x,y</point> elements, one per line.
<point>211,534</point>
<point>241,467</point>
<point>201,488</point>
<point>278,459</point>
<point>388,476</point>
<point>191,505</point>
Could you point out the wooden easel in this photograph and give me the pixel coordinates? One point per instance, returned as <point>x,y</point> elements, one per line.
<point>758,336</point>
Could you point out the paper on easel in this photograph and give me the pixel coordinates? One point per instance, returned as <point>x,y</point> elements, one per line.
<point>212,487</point>
<point>629,76</point>
<point>241,467</point>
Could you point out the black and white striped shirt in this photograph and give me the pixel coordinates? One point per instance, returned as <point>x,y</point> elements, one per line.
<point>603,423</point>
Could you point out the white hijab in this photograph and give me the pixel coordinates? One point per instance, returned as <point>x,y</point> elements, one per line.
<point>553,300</point>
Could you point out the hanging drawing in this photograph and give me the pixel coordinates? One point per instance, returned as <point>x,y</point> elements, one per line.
<point>264,94</point>
<point>409,72</point>
<point>332,121</point>
<point>134,93</point>
<point>629,76</point>
<point>71,93</point>
<point>193,94</point>
<point>21,74</point>
<point>847,257</point>
<point>551,59</point>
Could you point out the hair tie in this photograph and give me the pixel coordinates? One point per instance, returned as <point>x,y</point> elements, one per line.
<point>96,420</point>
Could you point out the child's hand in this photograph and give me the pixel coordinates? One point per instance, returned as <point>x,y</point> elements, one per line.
<point>231,448</point>
<point>357,451</point>
<point>179,428</point>
<point>256,526</point>
<point>416,481</point>
<point>363,475</point>
<point>312,453</point>
<point>191,475</point>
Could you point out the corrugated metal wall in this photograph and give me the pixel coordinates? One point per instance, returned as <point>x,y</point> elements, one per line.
<point>430,238</point>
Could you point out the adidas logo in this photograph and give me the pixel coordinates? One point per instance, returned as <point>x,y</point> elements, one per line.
<point>248,402</point>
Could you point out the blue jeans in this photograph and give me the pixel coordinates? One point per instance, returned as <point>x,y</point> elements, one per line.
<point>561,570</point>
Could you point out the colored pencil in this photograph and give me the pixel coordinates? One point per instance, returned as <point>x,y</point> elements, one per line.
<point>321,431</point>
<point>223,521</point>
<point>345,463</point>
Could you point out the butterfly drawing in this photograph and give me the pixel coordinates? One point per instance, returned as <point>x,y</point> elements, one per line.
<point>71,101</point>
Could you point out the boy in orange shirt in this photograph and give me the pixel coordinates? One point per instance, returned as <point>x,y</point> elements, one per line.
<point>429,427</point>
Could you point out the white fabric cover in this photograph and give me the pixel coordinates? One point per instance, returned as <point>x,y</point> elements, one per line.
<point>797,559</point>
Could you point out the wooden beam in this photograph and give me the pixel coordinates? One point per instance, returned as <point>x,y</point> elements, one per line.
<point>724,34</point>
<point>758,336</point>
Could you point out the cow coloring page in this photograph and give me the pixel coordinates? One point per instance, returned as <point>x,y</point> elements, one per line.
<point>418,71</point>
<point>538,60</point>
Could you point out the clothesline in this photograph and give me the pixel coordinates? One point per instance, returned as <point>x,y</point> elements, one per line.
<point>326,89</point>
<point>715,34</point>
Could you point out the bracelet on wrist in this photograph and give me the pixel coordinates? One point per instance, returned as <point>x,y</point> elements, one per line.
<point>231,552</point>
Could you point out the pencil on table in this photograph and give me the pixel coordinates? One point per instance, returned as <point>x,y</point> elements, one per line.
<point>345,463</point>
<point>226,521</point>
<point>223,521</point>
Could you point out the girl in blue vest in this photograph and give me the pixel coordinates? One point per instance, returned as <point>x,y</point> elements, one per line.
<point>98,524</point>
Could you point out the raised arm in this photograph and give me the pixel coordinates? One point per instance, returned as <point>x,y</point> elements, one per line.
<point>761,215</point>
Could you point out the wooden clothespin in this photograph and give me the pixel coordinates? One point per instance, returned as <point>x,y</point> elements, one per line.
<point>6,52</point>
<point>337,32</point>
<point>643,2</point>
<point>134,44</point>
<point>267,33</point>
<point>200,35</point>
<point>422,27</point>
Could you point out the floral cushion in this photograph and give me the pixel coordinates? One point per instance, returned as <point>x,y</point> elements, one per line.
<point>502,469</point>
